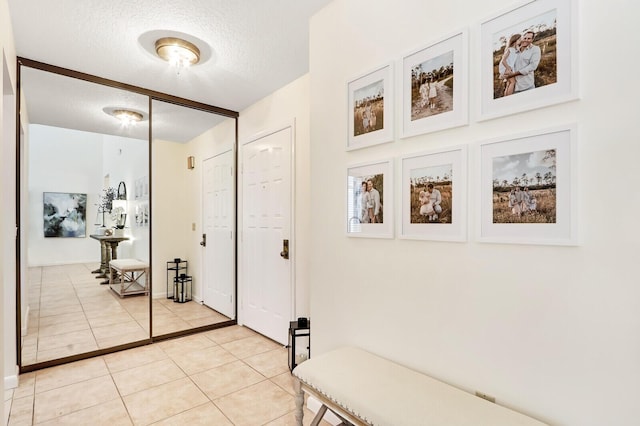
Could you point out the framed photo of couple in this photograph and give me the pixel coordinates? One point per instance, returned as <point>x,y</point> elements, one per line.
<point>434,195</point>
<point>529,58</point>
<point>434,86</point>
<point>371,106</point>
<point>370,200</point>
<point>528,191</point>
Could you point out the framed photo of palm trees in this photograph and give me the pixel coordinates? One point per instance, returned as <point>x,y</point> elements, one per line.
<point>435,86</point>
<point>527,189</point>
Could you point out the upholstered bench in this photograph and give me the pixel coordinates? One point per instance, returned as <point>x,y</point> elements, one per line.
<point>365,389</point>
<point>128,277</point>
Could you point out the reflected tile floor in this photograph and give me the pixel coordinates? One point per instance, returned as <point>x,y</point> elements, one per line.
<point>228,376</point>
<point>71,313</point>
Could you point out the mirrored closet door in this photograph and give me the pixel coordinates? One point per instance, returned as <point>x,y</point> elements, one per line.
<point>126,216</point>
<point>193,153</point>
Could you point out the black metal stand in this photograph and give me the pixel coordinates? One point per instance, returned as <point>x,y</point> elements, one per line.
<point>296,330</point>
<point>178,265</point>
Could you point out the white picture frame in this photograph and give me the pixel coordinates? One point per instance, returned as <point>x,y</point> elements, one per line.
<point>545,162</point>
<point>555,26</point>
<point>441,69</point>
<point>361,205</point>
<point>370,106</point>
<point>434,195</point>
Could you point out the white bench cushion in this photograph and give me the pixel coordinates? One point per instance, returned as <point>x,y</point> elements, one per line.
<point>382,392</point>
<point>128,264</point>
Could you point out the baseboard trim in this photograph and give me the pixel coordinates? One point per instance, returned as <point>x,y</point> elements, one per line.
<point>11,382</point>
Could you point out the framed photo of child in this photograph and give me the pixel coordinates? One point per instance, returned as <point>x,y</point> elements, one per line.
<point>434,195</point>
<point>528,191</point>
<point>370,106</point>
<point>528,58</point>
<point>435,86</point>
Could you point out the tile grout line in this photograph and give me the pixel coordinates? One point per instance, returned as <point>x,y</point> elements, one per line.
<point>124,404</point>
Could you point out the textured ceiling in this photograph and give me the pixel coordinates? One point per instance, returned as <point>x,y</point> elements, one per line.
<point>253,47</point>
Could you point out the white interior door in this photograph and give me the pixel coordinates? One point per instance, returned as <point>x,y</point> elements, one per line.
<point>267,288</point>
<point>218,226</point>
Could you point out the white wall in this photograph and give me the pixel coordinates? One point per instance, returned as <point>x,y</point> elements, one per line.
<point>559,342</point>
<point>7,195</point>
<point>283,107</point>
<point>170,226</point>
<point>9,225</point>
<point>54,167</point>
<point>126,160</point>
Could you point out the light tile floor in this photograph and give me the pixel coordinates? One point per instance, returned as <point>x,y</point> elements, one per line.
<point>71,313</point>
<point>228,376</point>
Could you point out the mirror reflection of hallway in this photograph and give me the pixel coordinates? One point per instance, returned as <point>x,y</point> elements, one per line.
<point>75,155</point>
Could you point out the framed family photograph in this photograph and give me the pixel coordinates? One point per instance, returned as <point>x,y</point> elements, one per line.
<point>529,57</point>
<point>64,214</point>
<point>434,195</point>
<point>435,86</point>
<point>369,210</point>
<point>370,106</point>
<point>528,189</point>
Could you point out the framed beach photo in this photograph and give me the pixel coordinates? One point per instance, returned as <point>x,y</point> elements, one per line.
<point>434,195</point>
<point>370,106</point>
<point>527,191</point>
<point>435,86</point>
<point>529,58</point>
<point>369,211</point>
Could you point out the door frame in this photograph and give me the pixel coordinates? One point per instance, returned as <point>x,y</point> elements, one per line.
<point>240,312</point>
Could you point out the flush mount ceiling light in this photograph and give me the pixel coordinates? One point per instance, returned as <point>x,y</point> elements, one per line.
<point>178,52</point>
<point>191,50</point>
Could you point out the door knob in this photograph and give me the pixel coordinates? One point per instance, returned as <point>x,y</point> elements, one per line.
<point>285,249</point>
<point>203,243</point>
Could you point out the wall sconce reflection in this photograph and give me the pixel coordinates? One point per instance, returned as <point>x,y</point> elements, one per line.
<point>191,162</point>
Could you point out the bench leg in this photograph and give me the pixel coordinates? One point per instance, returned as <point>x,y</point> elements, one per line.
<point>299,401</point>
<point>318,418</point>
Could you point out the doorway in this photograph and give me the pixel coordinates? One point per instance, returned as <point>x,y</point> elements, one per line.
<point>267,244</point>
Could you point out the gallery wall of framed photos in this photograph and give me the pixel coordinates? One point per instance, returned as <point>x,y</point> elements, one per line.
<point>511,309</point>
<point>516,60</point>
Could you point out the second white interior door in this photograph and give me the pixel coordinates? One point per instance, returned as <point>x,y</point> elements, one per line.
<point>266,225</point>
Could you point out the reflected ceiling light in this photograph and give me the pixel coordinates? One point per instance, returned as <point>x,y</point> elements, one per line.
<point>127,117</point>
<point>178,52</point>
